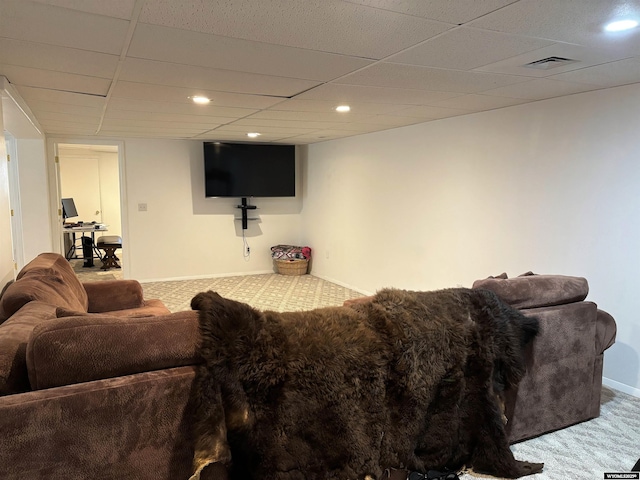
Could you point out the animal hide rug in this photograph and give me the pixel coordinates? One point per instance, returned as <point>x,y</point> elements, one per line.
<point>407,380</point>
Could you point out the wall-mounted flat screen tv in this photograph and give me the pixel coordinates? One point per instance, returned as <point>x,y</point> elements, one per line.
<point>249,170</point>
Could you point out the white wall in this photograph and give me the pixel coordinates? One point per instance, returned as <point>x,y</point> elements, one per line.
<point>185,235</point>
<point>550,187</point>
<point>36,223</point>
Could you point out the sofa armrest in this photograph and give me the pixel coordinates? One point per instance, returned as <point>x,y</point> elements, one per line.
<point>110,295</point>
<point>606,330</point>
<point>71,350</point>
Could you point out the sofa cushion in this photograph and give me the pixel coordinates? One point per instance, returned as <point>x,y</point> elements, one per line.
<point>48,278</point>
<point>532,291</point>
<point>14,335</point>
<point>77,349</point>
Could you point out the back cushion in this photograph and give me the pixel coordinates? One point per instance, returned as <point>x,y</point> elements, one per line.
<point>91,347</point>
<point>48,278</point>
<point>532,291</point>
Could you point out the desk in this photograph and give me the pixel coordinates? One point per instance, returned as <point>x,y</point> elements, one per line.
<point>71,232</point>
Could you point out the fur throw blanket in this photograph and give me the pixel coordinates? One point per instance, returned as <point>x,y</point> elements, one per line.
<point>406,380</point>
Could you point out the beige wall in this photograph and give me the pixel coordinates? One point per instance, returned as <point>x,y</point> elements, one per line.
<point>185,235</point>
<point>550,187</point>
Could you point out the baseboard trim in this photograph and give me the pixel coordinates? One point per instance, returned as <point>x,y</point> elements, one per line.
<point>342,284</point>
<point>624,388</point>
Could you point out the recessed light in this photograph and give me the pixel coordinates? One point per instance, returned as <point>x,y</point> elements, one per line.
<point>253,135</point>
<point>621,25</point>
<point>200,100</point>
<point>343,108</point>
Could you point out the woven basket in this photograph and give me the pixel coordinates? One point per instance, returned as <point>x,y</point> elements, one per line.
<point>292,267</point>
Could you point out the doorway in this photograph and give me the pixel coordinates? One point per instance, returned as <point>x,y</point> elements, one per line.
<point>90,175</point>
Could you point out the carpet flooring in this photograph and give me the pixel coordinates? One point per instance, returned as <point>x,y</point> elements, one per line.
<point>95,273</point>
<point>609,443</point>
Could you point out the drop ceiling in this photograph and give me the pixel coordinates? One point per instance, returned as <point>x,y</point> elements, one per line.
<point>127,68</point>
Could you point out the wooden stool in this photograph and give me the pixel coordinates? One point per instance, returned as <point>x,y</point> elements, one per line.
<point>109,243</point>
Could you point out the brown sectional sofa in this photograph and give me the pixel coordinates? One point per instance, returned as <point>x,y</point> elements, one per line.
<point>564,363</point>
<point>94,379</point>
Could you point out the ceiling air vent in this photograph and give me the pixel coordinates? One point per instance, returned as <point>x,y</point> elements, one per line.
<point>549,63</point>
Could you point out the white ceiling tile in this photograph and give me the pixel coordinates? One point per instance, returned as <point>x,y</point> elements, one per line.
<point>224,53</point>
<point>467,48</point>
<point>269,65</point>
<point>363,93</point>
<point>477,103</point>
<point>323,106</point>
<point>431,112</point>
<point>112,123</point>
<point>175,118</point>
<point>59,59</point>
<point>580,22</point>
<point>188,108</point>
<point>234,128</point>
<point>327,26</point>
<point>164,93</point>
<point>215,135</point>
<point>33,77</point>
<point>149,71</point>
<point>540,88</point>
<point>258,122</point>
<point>584,56</point>
<point>69,128</point>
<point>146,134</point>
<point>312,116</point>
<point>321,136</point>
<point>40,106</point>
<point>379,122</point>
<point>34,95</point>
<point>156,129</point>
<point>409,76</point>
<point>611,74</point>
<point>44,117</point>
<point>458,12</point>
<point>35,22</point>
<point>111,8</point>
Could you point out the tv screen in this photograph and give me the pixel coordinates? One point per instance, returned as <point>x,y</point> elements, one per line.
<point>249,170</point>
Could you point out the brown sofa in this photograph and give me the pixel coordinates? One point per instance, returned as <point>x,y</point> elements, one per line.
<point>564,363</point>
<point>563,383</point>
<point>94,379</point>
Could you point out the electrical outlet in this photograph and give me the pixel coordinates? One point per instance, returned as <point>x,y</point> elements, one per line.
<point>142,207</point>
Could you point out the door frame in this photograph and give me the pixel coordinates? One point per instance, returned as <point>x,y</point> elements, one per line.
<point>55,192</point>
<point>17,239</point>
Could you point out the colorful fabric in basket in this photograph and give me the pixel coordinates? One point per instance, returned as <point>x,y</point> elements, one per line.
<point>290,252</point>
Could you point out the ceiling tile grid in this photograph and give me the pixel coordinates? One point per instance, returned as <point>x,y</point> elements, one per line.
<point>130,68</point>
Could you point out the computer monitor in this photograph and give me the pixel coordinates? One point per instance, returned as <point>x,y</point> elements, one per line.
<point>68,208</point>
